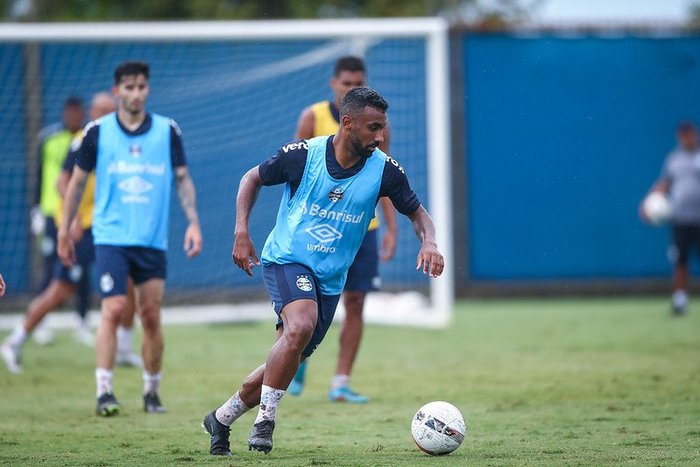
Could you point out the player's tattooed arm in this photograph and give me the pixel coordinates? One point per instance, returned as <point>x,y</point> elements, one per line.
<point>429,258</point>
<point>188,201</point>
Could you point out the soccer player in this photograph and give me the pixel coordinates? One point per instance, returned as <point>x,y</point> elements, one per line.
<point>679,178</point>
<point>333,184</point>
<point>65,280</point>
<point>54,144</point>
<point>363,276</point>
<point>135,155</point>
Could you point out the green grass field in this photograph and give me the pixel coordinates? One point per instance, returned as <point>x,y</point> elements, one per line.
<point>540,382</point>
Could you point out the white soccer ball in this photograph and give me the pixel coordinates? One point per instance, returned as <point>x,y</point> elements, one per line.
<point>657,208</point>
<point>438,428</point>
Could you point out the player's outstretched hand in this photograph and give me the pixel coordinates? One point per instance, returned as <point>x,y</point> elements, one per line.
<point>2,286</point>
<point>66,249</point>
<point>244,253</point>
<point>193,240</point>
<point>430,259</point>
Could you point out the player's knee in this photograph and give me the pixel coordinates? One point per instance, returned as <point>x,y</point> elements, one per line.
<point>354,301</point>
<point>113,308</point>
<point>298,336</point>
<point>150,318</point>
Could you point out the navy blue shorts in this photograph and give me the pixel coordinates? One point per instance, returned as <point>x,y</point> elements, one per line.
<point>84,255</point>
<point>115,264</point>
<point>363,275</point>
<point>290,282</point>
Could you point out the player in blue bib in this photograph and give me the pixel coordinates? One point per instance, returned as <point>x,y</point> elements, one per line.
<point>135,156</point>
<point>332,186</point>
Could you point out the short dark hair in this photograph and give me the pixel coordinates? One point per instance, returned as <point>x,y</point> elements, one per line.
<point>358,98</point>
<point>130,69</point>
<point>686,126</point>
<point>348,63</point>
<point>73,101</point>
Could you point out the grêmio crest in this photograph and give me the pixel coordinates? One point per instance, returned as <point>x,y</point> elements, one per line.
<point>336,194</point>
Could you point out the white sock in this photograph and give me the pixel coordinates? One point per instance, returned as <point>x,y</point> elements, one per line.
<point>151,382</point>
<point>680,298</point>
<point>340,381</point>
<point>123,340</point>
<point>269,400</point>
<point>103,379</point>
<point>18,336</point>
<point>231,410</point>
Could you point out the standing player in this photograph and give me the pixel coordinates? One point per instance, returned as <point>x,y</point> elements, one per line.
<point>332,187</point>
<point>65,279</point>
<point>135,156</point>
<point>54,144</point>
<point>681,178</point>
<point>322,119</point>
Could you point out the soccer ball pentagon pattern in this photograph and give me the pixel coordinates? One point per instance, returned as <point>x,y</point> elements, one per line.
<point>438,428</point>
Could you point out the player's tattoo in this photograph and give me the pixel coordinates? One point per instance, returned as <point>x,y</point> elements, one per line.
<point>187,195</point>
<point>72,198</point>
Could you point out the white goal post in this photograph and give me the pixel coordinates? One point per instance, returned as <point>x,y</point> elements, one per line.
<point>381,307</point>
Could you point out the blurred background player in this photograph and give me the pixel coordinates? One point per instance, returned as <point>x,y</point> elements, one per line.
<point>65,280</point>
<point>135,155</point>
<point>54,144</point>
<point>680,179</point>
<point>322,119</point>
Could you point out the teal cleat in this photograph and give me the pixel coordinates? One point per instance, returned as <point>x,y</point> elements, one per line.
<point>297,385</point>
<point>345,394</point>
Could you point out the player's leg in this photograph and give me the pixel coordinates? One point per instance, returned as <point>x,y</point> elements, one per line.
<point>43,335</point>
<point>85,251</point>
<point>679,254</point>
<point>112,265</point>
<point>148,271</point>
<point>125,354</point>
<point>149,296</point>
<point>363,277</point>
<point>57,292</point>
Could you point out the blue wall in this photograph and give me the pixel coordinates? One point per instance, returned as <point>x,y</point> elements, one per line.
<point>563,138</point>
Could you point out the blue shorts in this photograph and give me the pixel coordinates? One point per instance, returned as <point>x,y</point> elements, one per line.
<point>363,275</point>
<point>115,264</point>
<point>290,282</point>
<point>84,255</point>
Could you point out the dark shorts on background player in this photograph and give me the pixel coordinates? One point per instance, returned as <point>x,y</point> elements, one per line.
<point>363,275</point>
<point>84,255</point>
<point>290,282</point>
<point>115,264</point>
<point>685,236</point>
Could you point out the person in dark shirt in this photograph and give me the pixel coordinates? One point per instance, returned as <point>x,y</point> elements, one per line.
<point>332,186</point>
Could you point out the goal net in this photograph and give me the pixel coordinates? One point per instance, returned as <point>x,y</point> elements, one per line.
<point>236,89</point>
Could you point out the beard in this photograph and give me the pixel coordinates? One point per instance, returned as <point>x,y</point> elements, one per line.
<point>360,150</point>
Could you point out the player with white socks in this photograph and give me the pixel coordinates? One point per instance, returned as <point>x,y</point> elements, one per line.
<point>342,176</point>
<point>118,146</point>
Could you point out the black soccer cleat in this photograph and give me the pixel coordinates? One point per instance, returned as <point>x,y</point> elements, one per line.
<point>107,405</point>
<point>219,432</point>
<point>260,437</point>
<point>151,403</point>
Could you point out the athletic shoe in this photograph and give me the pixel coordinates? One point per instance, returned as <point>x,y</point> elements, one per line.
<point>84,336</point>
<point>107,405</point>
<point>345,394</point>
<point>297,385</point>
<point>260,437</point>
<point>128,359</point>
<point>151,403</point>
<point>43,335</point>
<point>219,445</point>
<point>12,358</point>
<point>679,310</point>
